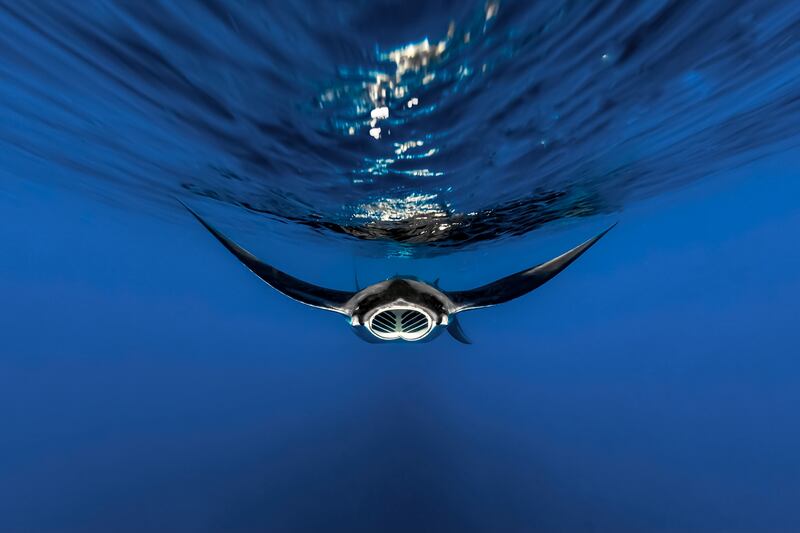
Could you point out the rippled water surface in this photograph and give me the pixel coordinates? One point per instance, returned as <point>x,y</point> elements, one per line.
<point>429,124</point>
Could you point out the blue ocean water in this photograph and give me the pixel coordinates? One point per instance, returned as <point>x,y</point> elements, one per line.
<point>148,382</point>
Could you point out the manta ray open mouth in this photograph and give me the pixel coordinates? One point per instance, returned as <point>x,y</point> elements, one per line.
<point>407,323</point>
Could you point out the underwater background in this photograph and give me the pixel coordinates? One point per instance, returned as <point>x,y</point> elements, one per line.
<point>149,382</point>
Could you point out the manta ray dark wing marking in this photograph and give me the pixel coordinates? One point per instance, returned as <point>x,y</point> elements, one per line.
<point>292,287</point>
<point>521,283</point>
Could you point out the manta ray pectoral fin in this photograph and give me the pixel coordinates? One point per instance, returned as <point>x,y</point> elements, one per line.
<point>287,285</point>
<point>455,331</point>
<point>516,285</point>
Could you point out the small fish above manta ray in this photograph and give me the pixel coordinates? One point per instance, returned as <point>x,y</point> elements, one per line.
<point>403,308</point>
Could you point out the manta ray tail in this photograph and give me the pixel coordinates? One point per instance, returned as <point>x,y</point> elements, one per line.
<point>521,283</point>
<point>301,291</point>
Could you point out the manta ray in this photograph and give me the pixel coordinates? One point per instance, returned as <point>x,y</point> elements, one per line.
<point>403,308</point>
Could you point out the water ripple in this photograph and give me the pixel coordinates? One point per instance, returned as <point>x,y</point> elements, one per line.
<point>432,124</point>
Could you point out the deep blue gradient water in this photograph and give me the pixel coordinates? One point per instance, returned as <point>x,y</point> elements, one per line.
<point>148,382</point>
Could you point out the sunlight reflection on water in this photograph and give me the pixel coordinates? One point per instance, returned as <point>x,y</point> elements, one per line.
<point>436,125</point>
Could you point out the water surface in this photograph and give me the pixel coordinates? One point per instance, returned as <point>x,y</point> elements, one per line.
<point>431,124</point>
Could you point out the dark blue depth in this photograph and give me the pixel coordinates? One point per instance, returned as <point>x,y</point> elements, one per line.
<point>148,382</point>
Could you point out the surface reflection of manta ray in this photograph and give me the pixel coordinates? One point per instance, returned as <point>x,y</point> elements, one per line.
<point>403,308</point>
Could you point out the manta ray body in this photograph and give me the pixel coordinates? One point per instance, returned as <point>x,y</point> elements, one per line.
<point>403,308</point>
